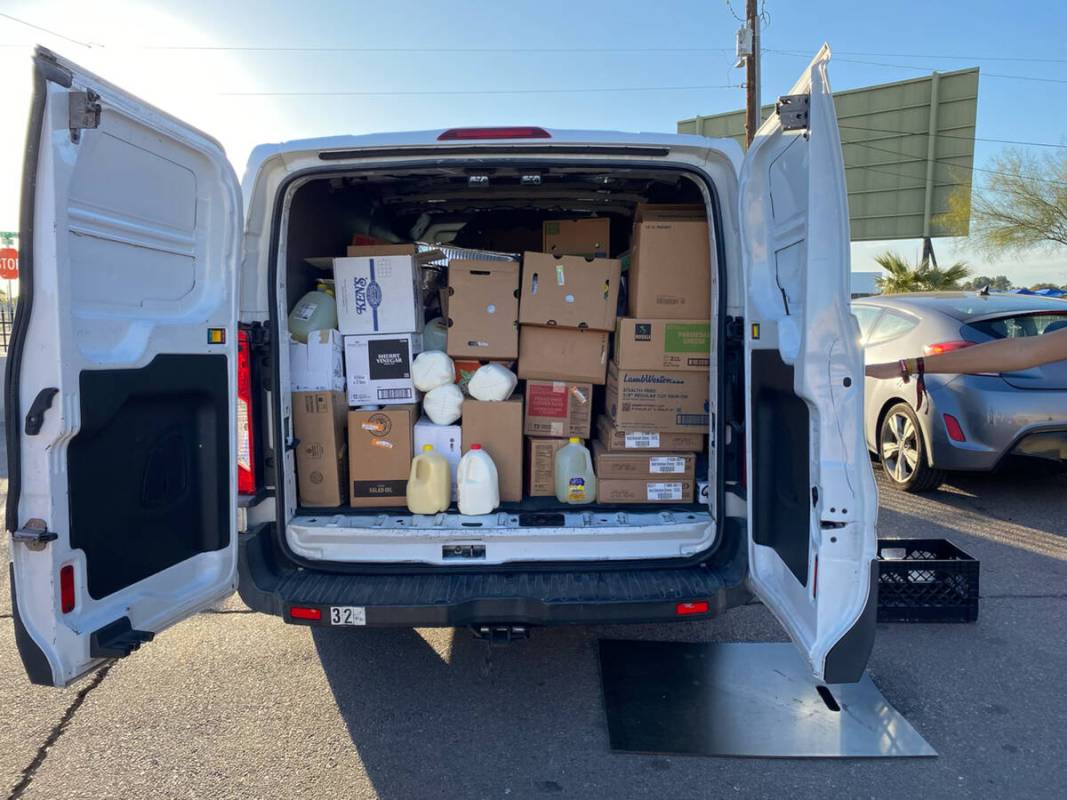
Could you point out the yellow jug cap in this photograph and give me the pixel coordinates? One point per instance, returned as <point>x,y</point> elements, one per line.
<point>574,440</point>
<point>427,448</point>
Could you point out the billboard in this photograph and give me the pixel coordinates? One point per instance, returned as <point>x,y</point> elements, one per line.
<point>908,146</point>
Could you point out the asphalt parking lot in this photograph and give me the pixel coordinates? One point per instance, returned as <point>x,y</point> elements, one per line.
<point>232,704</point>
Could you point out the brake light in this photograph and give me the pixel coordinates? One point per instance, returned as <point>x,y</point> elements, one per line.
<point>66,588</point>
<point>955,431</point>
<point>246,470</point>
<point>685,609</point>
<point>946,347</point>
<point>303,612</point>
<point>522,132</point>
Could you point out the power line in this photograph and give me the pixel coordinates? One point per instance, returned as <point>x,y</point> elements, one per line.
<point>950,136</point>
<point>45,30</point>
<point>429,92</point>
<point>953,58</point>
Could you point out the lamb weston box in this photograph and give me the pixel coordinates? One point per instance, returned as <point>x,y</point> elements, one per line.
<point>643,400</point>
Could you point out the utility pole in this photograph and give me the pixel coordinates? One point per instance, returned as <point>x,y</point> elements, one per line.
<point>752,93</point>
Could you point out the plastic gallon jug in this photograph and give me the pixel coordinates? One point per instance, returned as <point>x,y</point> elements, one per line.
<point>430,483</point>
<point>432,368</point>
<point>435,334</point>
<point>575,480</point>
<point>315,311</point>
<point>492,382</point>
<point>478,484</point>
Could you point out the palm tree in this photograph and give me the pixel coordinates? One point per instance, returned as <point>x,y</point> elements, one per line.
<point>902,277</point>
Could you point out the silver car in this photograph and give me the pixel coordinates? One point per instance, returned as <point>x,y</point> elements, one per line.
<point>971,422</point>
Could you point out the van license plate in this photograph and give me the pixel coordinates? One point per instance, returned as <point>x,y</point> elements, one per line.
<point>348,615</point>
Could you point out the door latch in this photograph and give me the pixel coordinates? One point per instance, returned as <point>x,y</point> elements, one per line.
<point>34,534</point>
<point>792,110</point>
<point>83,112</point>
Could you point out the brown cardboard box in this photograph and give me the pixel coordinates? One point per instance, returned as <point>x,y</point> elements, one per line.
<point>666,489</point>
<point>569,291</point>
<point>633,464</point>
<point>483,309</point>
<point>614,439</point>
<point>563,354</point>
<point>670,265</point>
<point>497,427</point>
<point>319,428</point>
<point>541,466</point>
<point>558,409</point>
<point>642,400</point>
<point>577,237</point>
<point>662,344</point>
<point>379,455</point>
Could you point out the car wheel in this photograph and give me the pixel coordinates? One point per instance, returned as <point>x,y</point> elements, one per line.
<point>902,452</point>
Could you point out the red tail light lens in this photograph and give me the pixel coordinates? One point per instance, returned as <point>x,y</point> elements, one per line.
<point>946,347</point>
<point>246,470</point>
<point>462,134</point>
<point>955,431</point>
<point>685,609</point>
<point>303,612</point>
<point>67,598</point>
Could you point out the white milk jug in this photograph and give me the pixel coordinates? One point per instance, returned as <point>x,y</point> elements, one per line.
<point>478,485</point>
<point>575,480</point>
<point>315,311</point>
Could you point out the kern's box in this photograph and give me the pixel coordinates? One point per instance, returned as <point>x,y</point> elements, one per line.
<point>377,291</point>
<point>577,237</point>
<point>558,409</point>
<point>642,400</point>
<point>569,291</point>
<point>659,490</point>
<point>378,368</point>
<point>483,309</point>
<point>631,465</point>
<point>318,365</point>
<point>563,354</point>
<point>497,427</point>
<point>319,428</point>
<point>662,344</point>
<point>670,266</point>
<point>614,439</point>
<point>447,442</point>
<point>541,466</point>
<point>379,456</point>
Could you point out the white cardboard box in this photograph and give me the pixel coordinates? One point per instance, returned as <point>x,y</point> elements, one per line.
<point>317,365</point>
<point>378,368</point>
<point>447,440</point>
<point>377,294</point>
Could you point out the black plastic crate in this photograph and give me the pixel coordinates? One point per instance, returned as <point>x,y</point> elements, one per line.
<point>926,580</point>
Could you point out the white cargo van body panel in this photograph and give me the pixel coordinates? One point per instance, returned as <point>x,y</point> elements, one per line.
<point>812,563</point>
<point>132,266</point>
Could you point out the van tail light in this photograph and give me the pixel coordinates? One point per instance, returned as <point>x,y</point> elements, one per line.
<point>685,609</point>
<point>955,431</point>
<point>467,134</point>
<point>67,598</point>
<point>246,470</point>
<point>305,613</point>
<point>945,347</point>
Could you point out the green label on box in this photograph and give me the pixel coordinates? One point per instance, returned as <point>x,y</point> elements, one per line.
<point>552,228</point>
<point>686,338</point>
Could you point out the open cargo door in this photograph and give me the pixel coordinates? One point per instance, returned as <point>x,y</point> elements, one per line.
<point>812,501</point>
<point>120,381</point>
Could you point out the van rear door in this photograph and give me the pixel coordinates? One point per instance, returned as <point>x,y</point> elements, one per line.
<point>812,501</point>
<point>119,393</point>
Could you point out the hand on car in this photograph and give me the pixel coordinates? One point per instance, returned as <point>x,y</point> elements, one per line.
<point>890,369</point>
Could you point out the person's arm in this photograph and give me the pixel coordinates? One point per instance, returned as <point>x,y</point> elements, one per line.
<point>1002,355</point>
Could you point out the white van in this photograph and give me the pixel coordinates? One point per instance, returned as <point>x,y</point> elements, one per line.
<point>149,440</point>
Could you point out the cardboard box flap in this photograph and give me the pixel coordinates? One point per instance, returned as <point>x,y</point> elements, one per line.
<point>670,212</point>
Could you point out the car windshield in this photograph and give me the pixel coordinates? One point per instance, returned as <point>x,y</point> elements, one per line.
<point>1021,325</point>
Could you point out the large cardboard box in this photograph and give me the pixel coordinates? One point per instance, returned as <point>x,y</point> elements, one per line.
<point>319,428</point>
<point>483,309</point>
<point>670,266</point>
<point>447,441</point>
<point>378,368</point>
<point>563,354</point>
<point>665,489</point>
<point>377,291</point>
<point>558,409</point>
<point>541,466</point>
<point>662,344</point>
<point>642,400</point>
<point>569,291</point>
<point>379,456</point>
<point>577,237</point>
<point>318,365</point>
<point>667,441</point>
<point>634,464</point>
<point>497,427</point>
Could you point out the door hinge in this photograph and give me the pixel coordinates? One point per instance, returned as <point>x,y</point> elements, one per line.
<point>34,534</point>
<point>792,111</point>
<point>84,112</point>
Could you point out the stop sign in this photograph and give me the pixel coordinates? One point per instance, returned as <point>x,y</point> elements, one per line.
<point>9,263</point>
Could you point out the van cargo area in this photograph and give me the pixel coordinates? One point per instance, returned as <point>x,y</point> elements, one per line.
<point>500,207</point>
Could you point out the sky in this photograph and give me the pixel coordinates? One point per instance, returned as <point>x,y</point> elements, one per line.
<point>425,64</point>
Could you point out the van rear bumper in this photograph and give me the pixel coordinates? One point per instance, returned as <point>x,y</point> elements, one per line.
<point>271,584</point>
